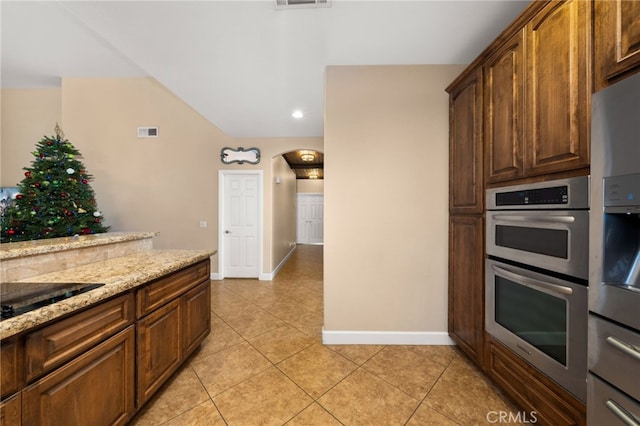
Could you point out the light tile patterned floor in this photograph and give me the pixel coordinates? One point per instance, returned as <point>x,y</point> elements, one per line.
<point>264,364</point>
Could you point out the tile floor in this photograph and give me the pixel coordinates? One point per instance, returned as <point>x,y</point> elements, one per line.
<point>264,364</point>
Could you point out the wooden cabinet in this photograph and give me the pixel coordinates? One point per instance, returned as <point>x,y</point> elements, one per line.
<point>466,193</point>
<point>538,95</point>
<point>96,388</point>
<point>466,284</point>
<point>616,40</point>
<point>11,411</point>
<point>504,111</point>
<point>178,323</point>
<point>159,348</point>
<point>558,81</point>
<point>11,361</point>
<point>533,391</point>
<point>84,368</point>
<point>62,341</point>
<point>466,206</point>
<point>197,317</point>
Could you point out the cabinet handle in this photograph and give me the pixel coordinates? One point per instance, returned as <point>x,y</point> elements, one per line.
<point>625,347</point>
<point>628,418</point>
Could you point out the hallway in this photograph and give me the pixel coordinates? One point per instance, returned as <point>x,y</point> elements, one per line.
<point>264,364</point>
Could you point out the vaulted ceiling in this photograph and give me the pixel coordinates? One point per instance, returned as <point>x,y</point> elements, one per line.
<point>242,64</point>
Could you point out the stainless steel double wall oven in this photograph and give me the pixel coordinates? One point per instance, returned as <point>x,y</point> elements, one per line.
<point>537,274</point>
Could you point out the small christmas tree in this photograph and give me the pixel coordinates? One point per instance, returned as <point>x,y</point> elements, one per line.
<point>55,198</point>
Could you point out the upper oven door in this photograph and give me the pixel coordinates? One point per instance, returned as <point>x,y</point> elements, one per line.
<point>555,240</point>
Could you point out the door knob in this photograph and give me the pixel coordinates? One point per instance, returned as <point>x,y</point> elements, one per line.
<point>227,232</point>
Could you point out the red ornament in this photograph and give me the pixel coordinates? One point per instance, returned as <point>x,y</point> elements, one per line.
<point>85,181</point>
<point>19,196</point>
<point>49,143</point>
<point>37,184</point>
<point>69,213</point>
<point>11,232</point>
<point>27,174</point>
<point>63,194</point>
<point>96,220</point>
<point>86,231</point>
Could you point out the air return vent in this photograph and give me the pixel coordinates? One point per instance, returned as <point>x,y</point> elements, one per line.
<point>296,4</point>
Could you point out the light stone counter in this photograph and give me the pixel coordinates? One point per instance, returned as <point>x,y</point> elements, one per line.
<point>54,245</point>
<point>118,274</point>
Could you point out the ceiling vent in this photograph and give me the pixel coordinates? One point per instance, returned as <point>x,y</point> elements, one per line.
<point>297,4</point>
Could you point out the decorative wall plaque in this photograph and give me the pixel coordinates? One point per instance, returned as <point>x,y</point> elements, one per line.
<point>240,155</point>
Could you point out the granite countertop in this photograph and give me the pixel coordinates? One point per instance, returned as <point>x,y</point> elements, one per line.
<point>33,247</point>
<point>118,274</point>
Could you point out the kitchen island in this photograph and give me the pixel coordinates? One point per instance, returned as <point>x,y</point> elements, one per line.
<point>103,352</point>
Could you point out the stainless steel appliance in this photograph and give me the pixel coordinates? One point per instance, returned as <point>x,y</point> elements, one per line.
<point>536,276</point>
<point>614,252</point>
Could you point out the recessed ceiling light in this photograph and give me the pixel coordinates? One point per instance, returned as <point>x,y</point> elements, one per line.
<point>297,114</point>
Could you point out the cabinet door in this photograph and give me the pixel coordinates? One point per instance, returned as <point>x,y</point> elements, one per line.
<point>616,40</point>
<point>466,284</point>
<point>504,96</point>
<point>11,366</point>
<point>558,88</point>
<point>465,146</point>
<point>197,316</point>
<point>159,346</point>
<point>10,411</point>
<point>96,388</point>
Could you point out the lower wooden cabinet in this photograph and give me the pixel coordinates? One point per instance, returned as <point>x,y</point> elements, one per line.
<point>531,390</point>
<point>99,366</point>
<point>466,284</point>
<point>96,388</point>
<point>168,335</point>
<point>159,348</point>
<point>11,411</point>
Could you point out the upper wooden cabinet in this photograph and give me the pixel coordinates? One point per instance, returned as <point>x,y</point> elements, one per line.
<point>466,192</point>
<point>558,104</point>
<point>537,95</point>
<point>504,111</point>
<point>616,40</point>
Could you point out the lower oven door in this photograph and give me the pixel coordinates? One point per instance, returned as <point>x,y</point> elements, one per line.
<point>541,318</point>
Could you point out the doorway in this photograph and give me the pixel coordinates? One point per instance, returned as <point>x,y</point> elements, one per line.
<point>240,223</point>
<point>310,218</point>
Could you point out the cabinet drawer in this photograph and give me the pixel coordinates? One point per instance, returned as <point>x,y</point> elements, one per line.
<point>62,341</point>
<point>159,292</point>
<point>531,389</point>
<point>11,355</point>
<point>614,355</point>
<point>608,406</point>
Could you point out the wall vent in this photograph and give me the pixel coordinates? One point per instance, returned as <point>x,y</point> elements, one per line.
<point>298,4</point>
<point>147,132</point>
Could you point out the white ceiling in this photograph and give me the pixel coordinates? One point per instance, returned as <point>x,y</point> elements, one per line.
<point>242,64</point>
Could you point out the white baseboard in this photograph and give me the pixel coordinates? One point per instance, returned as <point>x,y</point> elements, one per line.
<point>270,276</point>
<point>341,337</point>
<point>263,276</point>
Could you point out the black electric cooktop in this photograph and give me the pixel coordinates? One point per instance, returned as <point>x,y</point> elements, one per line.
<point>18,298</point>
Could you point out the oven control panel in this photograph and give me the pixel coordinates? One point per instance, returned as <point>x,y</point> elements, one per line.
<point>566,194</point>
<point>555,195</point>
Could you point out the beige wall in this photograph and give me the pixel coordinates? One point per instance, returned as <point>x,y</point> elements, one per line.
<point>26,116</point>
<point>311,186</point>
<point>284,209</point>
<point>166,184</point>
<point>386,192</point>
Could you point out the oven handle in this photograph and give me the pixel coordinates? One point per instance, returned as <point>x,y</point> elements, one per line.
<point>531,282</point>
<point>534,218</point>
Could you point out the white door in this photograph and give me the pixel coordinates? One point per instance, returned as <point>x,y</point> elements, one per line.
<point>240,228</point>
<point>310,214</point>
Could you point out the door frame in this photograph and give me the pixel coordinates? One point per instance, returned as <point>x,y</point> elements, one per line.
<point>222,176</point>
